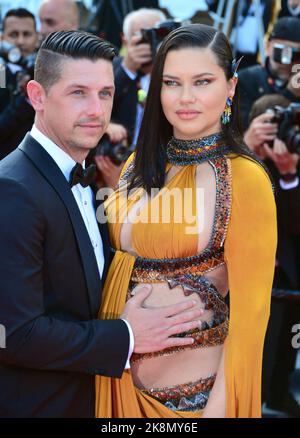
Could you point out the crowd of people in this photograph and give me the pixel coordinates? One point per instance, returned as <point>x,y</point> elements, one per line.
<point>143,83</point>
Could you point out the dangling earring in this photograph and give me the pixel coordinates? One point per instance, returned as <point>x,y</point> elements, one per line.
<point>225,117</point>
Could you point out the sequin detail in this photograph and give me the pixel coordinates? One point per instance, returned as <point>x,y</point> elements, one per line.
<point>191,396</point>
<point>189,272</point>
<point>212,332</point>
<point>156,270</point>
<point>126,174</point>
<point>186,152</point>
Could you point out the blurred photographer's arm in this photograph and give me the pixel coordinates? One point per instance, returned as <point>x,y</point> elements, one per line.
<point>259,132</point>
<point>116,132</point>
<point>108,171</point>
<point>288,189</point>
<point>137,54</point>
<point>15,116</point>
<point>285,162</point>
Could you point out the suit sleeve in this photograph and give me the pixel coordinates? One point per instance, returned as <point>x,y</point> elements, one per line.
<point>125,98</point>
<point>122,80</point>
<point>250,249</point>
<point>289,205</point>
<point>34,339</point>
<point>13,116</point>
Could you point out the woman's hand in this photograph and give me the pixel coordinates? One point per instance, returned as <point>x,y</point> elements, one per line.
<point>110,172</point>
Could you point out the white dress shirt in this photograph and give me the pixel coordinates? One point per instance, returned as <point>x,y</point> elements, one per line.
<point>84,199</point>
<point>83,195</point>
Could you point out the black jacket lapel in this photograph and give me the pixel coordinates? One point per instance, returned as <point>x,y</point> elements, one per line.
<point>51,172</point>
<point>103,228</point>
<point>106,246</point>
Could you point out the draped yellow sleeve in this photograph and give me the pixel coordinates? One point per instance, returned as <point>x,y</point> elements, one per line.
<point>250,249</point>
<point>127,163</point>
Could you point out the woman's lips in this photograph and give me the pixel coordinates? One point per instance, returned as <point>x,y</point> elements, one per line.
<point>187,114</point>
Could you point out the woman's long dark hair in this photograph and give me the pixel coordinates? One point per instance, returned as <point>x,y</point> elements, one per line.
<point>156,131</point>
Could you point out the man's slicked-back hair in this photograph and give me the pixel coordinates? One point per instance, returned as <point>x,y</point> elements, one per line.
<point>62,46</point>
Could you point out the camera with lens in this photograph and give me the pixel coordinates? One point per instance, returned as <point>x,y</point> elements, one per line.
<point>12,54</point>
<point>9,53</point>
<point>155,35</point>
<point>117,152</point>
<point>287,55</point>
<point>288,121</point>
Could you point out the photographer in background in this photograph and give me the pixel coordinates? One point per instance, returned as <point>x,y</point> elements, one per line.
<point>132,73</point>
<point>57,15</point>
<point>110,155</point>
<point>289,8</point>
<point>275,77</point>
<point>16,113</point>
<point>19,30</point>
<point>132,77</point>
<point>280,153</point>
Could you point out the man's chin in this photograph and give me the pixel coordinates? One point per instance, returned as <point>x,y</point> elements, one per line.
<point>85,144</point>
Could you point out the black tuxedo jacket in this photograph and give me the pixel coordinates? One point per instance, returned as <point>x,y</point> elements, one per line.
<point>15,121</point>
<point>288,220</point>
<point>125,99</point>
<point>50,295</point>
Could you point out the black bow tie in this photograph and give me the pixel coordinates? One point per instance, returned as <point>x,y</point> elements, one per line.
<point>82,176</point>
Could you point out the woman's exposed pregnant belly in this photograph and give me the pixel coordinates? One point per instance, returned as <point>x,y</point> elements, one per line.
<point>179,367</point>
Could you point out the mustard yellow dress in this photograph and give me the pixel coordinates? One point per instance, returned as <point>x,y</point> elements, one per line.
<point>243,239</point>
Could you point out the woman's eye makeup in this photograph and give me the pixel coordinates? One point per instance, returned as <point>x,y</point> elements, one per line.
<point>170,82</point>
<point>173,83</point>
<point>203,81</point>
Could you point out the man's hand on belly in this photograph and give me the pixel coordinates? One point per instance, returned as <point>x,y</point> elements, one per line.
<point>153,328</point>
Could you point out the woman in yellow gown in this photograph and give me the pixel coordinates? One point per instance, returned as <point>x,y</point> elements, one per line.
<point>207,233</point>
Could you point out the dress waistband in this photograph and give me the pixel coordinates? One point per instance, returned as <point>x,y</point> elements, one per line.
<point>156,270</point>
<point>184,389</point>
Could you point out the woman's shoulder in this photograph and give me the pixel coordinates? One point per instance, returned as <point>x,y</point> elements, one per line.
<point>248,173</point>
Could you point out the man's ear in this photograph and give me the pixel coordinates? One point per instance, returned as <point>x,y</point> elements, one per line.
<point>36,94</point>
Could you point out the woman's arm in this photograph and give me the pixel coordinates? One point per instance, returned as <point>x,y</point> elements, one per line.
<point>250,248</point>
<point>250,257</point>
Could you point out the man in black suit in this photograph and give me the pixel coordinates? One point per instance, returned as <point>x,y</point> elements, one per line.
<point>16,113</point>
<point>280,355</point>
<point>132,73</point>
<point>53,258</point>
<point>272,78</point>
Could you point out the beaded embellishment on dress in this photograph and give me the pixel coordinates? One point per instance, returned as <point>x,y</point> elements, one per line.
<point>191,396</point>
<point>190,272</point>
<point>186,152</point>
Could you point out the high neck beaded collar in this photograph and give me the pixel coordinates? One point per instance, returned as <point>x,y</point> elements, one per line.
<point>185,152</point>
